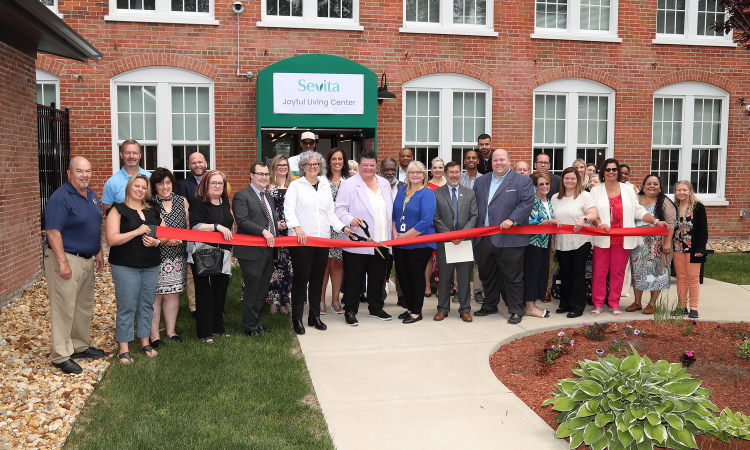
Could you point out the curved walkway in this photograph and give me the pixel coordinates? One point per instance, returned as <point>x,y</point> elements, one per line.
<point>386,385</point>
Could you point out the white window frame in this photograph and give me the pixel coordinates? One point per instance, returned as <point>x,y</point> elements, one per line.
<point>310,19</point>
<point>163,78</point>
<point>446,25</point>
<point>689,91</point>
<point>573,31</point>
<point>572,89</point>
<point>446,84</point>
<point>44,77</point>
<point>691,36</point>
<point>162,14</point>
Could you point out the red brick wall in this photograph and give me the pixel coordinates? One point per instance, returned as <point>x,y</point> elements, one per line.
<point>19,174</point>
<point>512,63</point>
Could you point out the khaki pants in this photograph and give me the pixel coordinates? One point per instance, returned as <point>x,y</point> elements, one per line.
<point>191,288</point>
<point>71,304</point>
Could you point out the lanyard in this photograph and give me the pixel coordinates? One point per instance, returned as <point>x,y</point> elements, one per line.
<point>406,200</point>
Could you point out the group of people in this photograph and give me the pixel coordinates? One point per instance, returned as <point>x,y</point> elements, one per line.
<point>329,199</point>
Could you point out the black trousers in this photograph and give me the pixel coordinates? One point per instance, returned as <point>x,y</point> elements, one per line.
<point>501,272</point>
<point>357,266</point>
<point>573,277</point>
<point>256,275</point>
<point>535,273</point>
<point>410,266</point>
<point>210,295</point>
<point>309,265</point>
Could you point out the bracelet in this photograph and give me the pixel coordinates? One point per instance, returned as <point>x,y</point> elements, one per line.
<point>216,227</point>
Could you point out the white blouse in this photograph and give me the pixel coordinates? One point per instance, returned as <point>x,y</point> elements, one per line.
<point>310,209</point>
<point>380,215</point>
<point>568,210</point>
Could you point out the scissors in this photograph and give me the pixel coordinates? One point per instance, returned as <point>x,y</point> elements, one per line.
<point>366,229</point>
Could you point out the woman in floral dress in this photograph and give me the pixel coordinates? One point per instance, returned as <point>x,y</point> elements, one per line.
<point>281,280</point>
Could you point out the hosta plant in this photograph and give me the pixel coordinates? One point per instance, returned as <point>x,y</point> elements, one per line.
<point>731,425</point>
<point>632,403</point>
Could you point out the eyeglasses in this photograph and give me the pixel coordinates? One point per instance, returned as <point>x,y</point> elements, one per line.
<point>542,184</point>
<point>415,173</point>
<point>216,183</point>
<point>282,165</point>
<point>312,164</point>
<point>611,169</point>
<point>262,174</point>
<point>308,143</point>
<point>368,166</point>
<point>542,163</point>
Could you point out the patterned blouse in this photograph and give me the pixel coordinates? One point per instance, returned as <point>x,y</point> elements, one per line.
<point>615,217</point>
<point>538,215</point>
<point>683,239</point>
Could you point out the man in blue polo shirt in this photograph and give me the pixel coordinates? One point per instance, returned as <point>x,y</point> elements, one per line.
<point>114,188</point>
<point>73,220</point>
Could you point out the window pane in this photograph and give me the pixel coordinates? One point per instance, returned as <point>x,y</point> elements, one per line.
<point>49,95</point>
<point>458,130</point>
<point>203,101</point>
<point>434,103</point>
<point>150,126</point>
<point>411,129</point>
<point>421,129</point>
<point>190,5</point>
<point>670,16</point>
<point>149,99</point>
<point>458,104</point>
<point>39,94</point>
<point>191,100</point>
<point>434,134</point>
<point>123,126</point>
<point>709,12</point>
<point>347,9</point>
<point>551,14</point>
<point>411,10</point>
<point>178,127</point>
<point>203,6</point>
<point>136,99</point>
<point>191,127</point>
<point>136,126</point>
<point>411,103</point>
<point>422,103</point>
<point>203,127</point>
<point>481,108</point>
<point>177,100</point>
<point>435,11</point>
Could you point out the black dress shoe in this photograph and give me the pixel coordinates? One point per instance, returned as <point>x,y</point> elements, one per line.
<point>514,319</point>
<point>412,319</point>
<point>69,366</point>
<point>362,298</point>
<point>479,298</point>
<point>484,312</point>
<point>252,333</point>
<point>351,319</point>
<point>91,352</point>
<point>317,323</point>
<point>263,329</point>
<point>403,315</point>
<point>299,327</point>
<point>562,310</point>
<point>573,314</point>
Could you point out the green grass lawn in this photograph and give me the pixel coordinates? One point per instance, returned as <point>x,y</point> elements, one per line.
<point>728,267</point>
<point>237,393</point>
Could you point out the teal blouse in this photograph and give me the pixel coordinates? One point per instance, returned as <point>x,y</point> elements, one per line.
<point>538,215</point>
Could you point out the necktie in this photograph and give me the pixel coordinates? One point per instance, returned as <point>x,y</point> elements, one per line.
<point>271,228</point>
<point>455,209</point>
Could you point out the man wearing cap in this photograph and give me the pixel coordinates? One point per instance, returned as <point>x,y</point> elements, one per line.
<point>306,143</point>
<point>73,220</point>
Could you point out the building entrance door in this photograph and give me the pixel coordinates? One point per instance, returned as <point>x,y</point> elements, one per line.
<point>285,141</point>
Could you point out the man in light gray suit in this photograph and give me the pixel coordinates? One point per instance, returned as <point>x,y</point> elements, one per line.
<point>456,210</point>
<point>505,198</point>
<point>255,214</point>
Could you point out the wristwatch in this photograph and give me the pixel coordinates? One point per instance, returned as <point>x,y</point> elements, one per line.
<point>216,227</point>
<point>585,220</point>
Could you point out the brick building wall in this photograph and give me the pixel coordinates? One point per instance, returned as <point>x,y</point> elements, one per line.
<point>19,196</point>
<point>512,63</point>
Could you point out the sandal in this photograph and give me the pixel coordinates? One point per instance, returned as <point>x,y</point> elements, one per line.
<point>595,312</point>
<point>125,356</point>
<point>148,349</point>
<point>322,308</point>
<point>284,310</point>
<point>206,340</point>
<point>156,343</point>
<point>616,312</point>
<point>223,334</point>
<point>175,338</point>
<point>337,308</point>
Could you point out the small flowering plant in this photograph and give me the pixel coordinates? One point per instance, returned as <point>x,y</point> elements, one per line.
<point>558,346</point>
<point>689,328</point>
<point>688,358</point>
<point>629,330</point>
<point>595,331</point>
<point>616,345</point>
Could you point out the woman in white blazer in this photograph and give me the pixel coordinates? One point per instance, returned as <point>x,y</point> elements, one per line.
<point>617,207</point>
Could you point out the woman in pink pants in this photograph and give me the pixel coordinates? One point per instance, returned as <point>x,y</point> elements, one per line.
<point>617,207</point>
<point>690,238</point>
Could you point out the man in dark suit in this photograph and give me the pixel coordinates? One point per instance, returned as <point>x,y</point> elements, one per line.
<point>456,210</point>
<point>187,188</point>
<point>255,214</point>
<point>504,198</point>
<point>542,164</point>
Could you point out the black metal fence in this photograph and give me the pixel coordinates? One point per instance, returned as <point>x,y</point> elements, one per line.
<point>54,151</point>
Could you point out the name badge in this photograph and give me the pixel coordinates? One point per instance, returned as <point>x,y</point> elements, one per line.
<point>402,229</point>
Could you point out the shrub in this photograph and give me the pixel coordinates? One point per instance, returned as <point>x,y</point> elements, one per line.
<point>632,402</point>
<point>729,425</point>
<point>688,358</point>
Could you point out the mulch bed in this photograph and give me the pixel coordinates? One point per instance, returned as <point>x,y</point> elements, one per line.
<point>521,367</point>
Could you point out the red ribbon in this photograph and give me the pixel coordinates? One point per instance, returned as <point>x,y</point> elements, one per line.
<point>212,237</point>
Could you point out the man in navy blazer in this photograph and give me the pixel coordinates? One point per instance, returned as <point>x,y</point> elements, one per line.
<point>504,198</point>
<point>187,188</point>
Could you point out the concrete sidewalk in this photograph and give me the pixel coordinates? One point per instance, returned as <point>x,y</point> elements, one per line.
<point>428,385</point>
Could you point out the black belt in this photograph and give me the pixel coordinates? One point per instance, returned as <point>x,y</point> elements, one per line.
<point>82,255</point>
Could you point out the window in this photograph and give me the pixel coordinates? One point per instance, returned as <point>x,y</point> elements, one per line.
<point>197,12</point>
<point>689,137</point>
<point>444,115</point>
<point>573,119</point>
<point>47,89</point>
<point>678,21</point>
<point>169,112</point>
<point>589,20</point>
<point>51,4</point>
<point>320,14</point>
<point>466,17</point>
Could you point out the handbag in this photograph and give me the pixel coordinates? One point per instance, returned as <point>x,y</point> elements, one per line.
<point>208,261</point>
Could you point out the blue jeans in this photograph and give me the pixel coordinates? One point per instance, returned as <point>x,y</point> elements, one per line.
<point>135,290</point>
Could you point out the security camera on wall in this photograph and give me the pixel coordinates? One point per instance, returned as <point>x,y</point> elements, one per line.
<point>238,7</point>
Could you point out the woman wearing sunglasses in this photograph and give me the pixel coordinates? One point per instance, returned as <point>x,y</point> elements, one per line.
<point>617,207</point>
